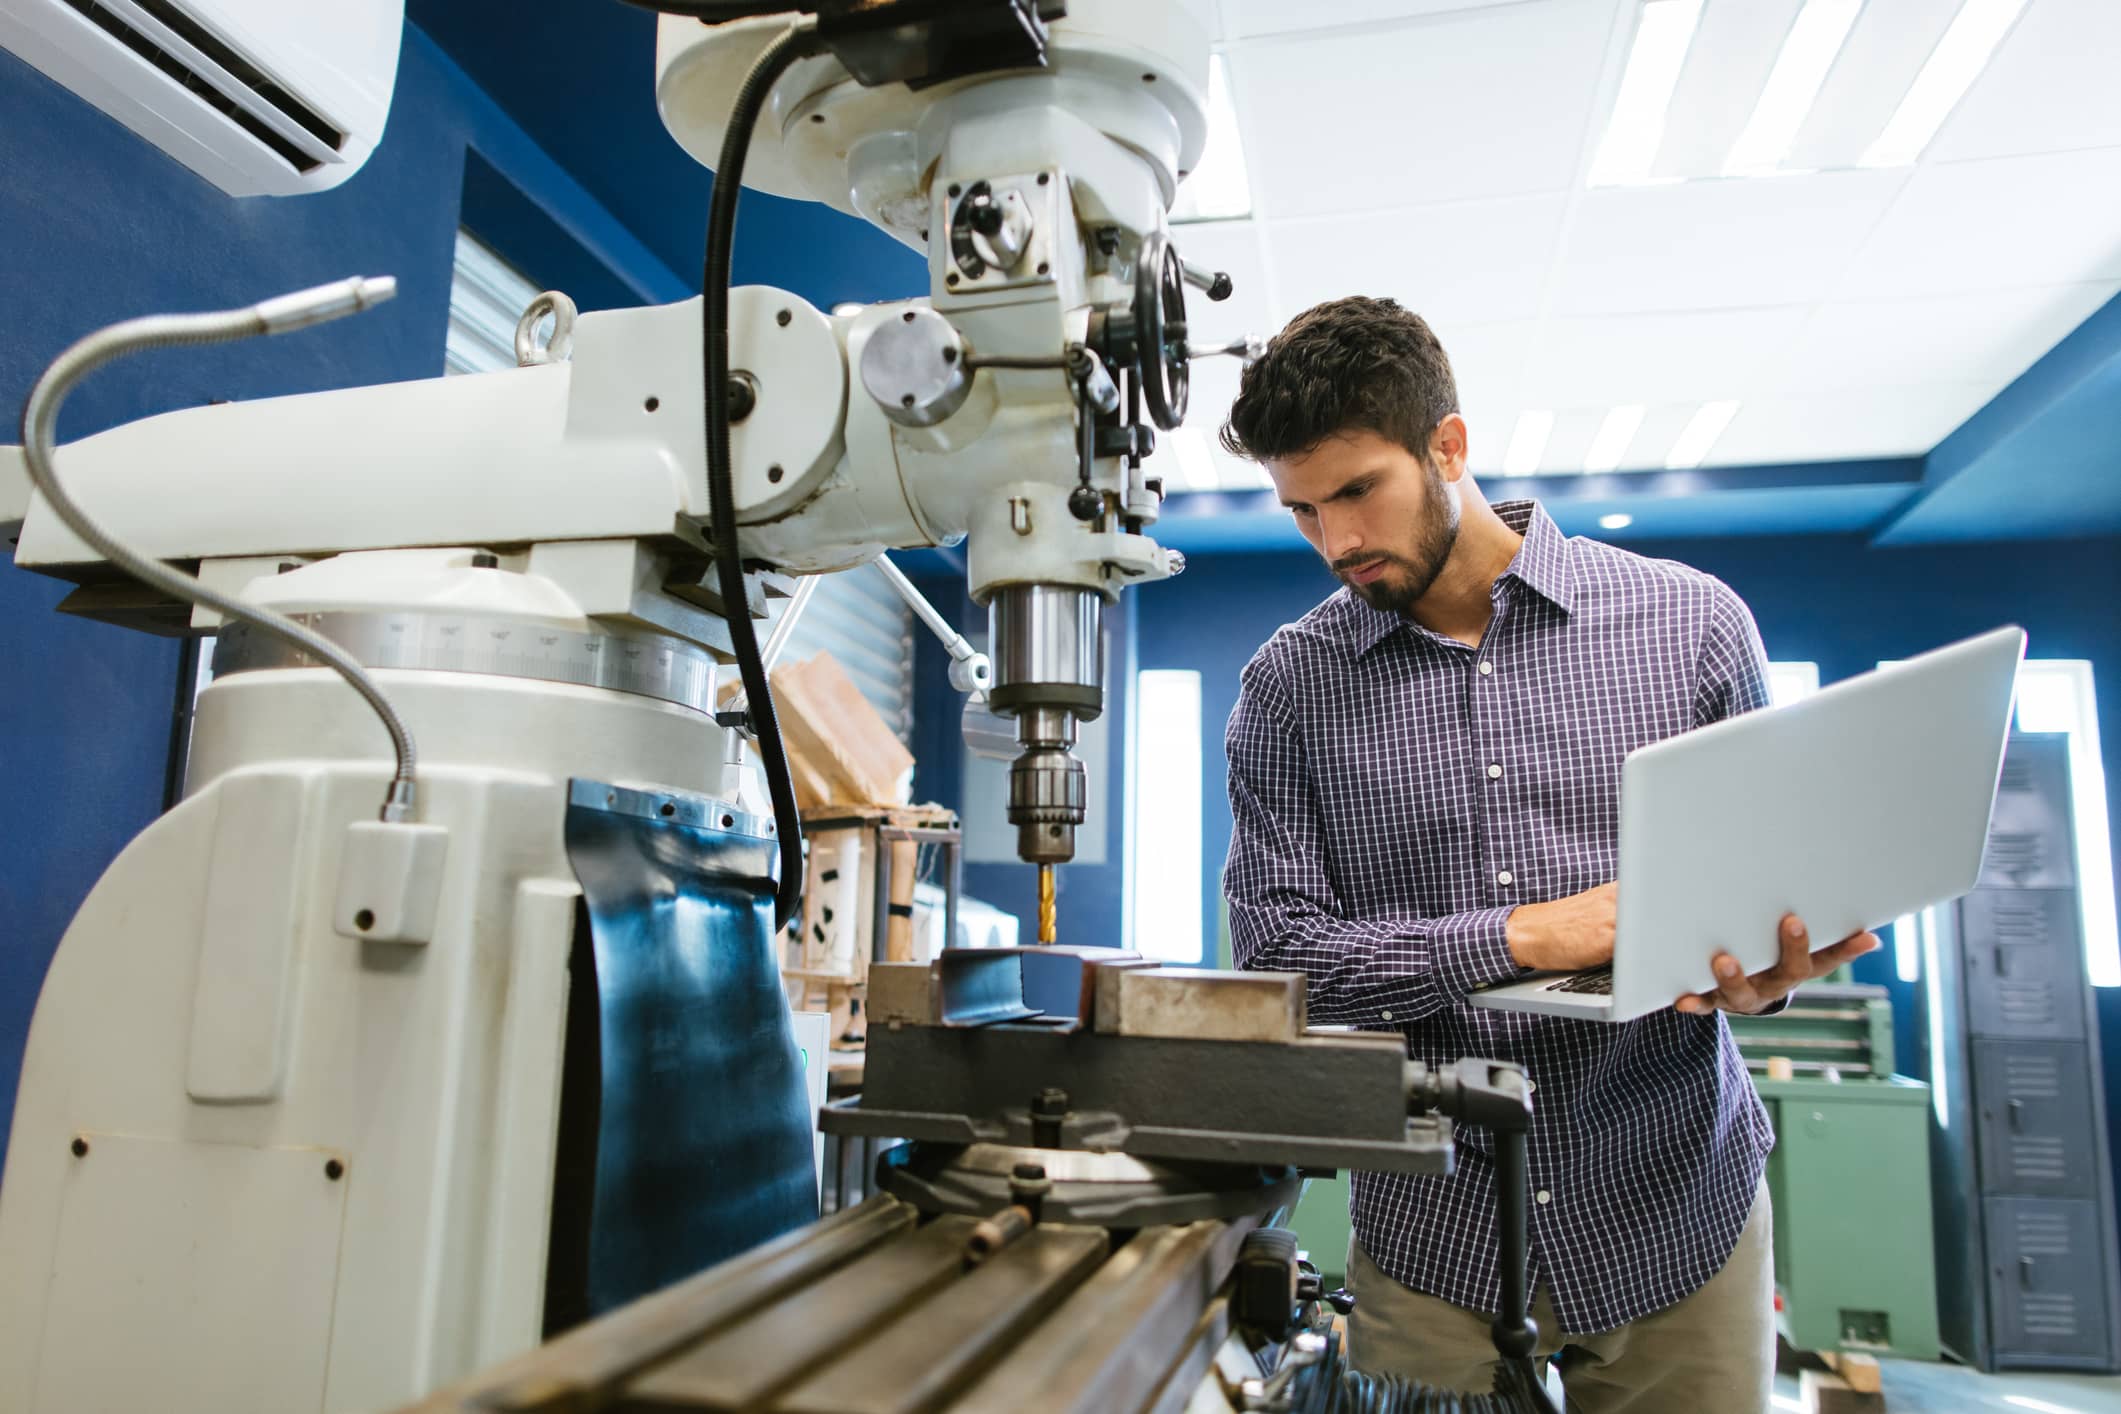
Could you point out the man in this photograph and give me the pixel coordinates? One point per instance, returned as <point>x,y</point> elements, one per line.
<point>1425,783</point>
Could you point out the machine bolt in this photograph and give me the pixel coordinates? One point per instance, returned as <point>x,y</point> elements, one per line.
<point>80,1147</point>
<point>1048,1108</point>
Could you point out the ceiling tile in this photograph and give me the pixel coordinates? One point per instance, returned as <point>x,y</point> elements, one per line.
<point>2050,87</point>
<point>2005,222</point>
<point>1480,103</point>
<point>1838,426</point>
<point>1657,358</point>
<point>1488,361</point>
<point>1234,248</point>
<point>1705,245</point>
<point>1470,261</point>
<point>1988,337</point>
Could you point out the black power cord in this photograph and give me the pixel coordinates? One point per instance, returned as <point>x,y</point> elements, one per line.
<point>798,41</point>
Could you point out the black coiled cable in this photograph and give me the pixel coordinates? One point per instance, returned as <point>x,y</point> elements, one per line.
<point>798,41</point>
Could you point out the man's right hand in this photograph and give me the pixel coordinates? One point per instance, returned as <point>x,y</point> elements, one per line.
<point>1565,935</point>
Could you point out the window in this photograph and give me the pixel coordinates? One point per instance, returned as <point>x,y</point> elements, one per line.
<point>2055,695</point>
<point>1219,190</point>
<point>487,296</point>
<point>1163,843</point>
<point>1791,682</point>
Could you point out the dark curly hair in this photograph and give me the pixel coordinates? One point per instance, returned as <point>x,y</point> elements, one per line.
<point>1345,365</point>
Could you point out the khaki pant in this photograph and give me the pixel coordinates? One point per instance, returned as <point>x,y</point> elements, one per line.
<point>1713,1350</point>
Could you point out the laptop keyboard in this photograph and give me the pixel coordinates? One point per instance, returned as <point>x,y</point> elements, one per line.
<point>1597,980</point>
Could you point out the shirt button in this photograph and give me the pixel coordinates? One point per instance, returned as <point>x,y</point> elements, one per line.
<point>1506,878</point>
<point>1486,668</point>
<point>1544,1197</point>
<point>1495,771</point>
<point>1386,1015</point>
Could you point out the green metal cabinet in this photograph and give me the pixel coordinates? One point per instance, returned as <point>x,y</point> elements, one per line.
<point>1321,1227</point>
<point>1849,1178</point>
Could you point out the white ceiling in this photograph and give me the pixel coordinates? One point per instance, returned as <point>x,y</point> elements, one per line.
<point>1436,151</point>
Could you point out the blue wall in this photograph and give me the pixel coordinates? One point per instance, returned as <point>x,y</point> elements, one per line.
<point>99,226</point>
<point>1834,600</point>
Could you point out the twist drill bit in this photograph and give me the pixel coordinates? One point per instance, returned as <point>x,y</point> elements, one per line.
<point>1046,926</point>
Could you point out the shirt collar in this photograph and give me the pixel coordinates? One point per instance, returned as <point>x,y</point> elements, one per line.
<point>1540,565</point>
<point>1542,562</point>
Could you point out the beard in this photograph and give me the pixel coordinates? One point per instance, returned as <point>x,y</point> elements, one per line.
<point>1407,577</point>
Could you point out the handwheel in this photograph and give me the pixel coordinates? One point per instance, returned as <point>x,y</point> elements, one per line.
<point>1160,330</point>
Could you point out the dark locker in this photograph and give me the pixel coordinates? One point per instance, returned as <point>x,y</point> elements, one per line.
<point>2027,1269</point>
<point>2034,1103</point>
<point>2050,1292</point>
<point>2024,963</point>
<point>2029,836</point>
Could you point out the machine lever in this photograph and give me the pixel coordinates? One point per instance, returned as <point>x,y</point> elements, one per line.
<point>1215,284</point>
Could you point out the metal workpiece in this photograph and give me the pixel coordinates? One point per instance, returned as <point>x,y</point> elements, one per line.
<point>1205,1005</point>
<point>498,645</point>
<point>915,367</point>
<point>960,987</point>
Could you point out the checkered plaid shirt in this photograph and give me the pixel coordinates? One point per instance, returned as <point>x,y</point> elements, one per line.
<point>1395,793</point>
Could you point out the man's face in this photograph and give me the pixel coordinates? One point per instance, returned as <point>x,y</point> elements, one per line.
<point>1384,519</point>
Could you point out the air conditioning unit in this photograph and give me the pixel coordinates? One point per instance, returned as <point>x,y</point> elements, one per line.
<point>260,97</point>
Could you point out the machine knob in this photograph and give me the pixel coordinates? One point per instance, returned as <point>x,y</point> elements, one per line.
<point>914,366</point>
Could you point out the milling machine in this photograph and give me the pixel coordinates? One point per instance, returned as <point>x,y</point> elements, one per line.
<point>326,1105</point>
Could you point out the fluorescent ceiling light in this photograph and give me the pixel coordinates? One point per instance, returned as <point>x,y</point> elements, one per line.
<point>1813,43</point>
<point>1618,520</point>
<point>1528,443</point>
<point>1636,129</point>
<point>1217,190</point>
<point>1950,71</point>
<point>1614,434</point>
<point>1700,434</point>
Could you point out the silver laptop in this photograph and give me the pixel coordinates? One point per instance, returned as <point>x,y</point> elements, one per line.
<point>1860,804</point>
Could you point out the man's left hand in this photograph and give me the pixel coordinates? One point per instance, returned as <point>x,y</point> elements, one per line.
<point>1798,964</point>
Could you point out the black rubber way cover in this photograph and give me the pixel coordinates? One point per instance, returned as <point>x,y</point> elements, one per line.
<point>684,1072</point>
